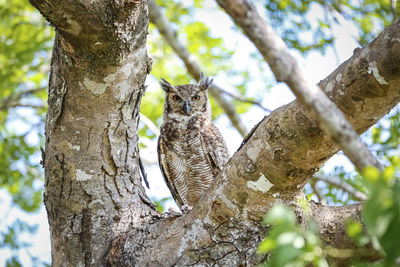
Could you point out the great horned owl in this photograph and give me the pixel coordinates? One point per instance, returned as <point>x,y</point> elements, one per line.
<point>191,150</point>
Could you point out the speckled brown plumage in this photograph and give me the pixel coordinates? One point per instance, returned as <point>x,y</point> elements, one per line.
<point>191,150</point>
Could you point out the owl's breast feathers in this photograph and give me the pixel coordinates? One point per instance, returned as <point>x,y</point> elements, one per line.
<point>191,154</point>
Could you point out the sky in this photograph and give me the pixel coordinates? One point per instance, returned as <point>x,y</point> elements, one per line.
<point>316,67</point>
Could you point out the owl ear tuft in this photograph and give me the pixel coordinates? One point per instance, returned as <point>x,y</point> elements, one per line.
<point>204,82</point>
<point>165,85</point>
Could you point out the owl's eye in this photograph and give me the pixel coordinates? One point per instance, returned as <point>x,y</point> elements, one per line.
<point>176,98</point>
<point>196,97</point>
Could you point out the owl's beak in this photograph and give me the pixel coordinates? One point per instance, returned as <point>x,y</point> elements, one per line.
<point>186,107</point>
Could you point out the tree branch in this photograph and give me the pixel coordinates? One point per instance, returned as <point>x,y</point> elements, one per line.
<point>342,185</point>
<point>246,100</point>
<point>393,8</point>
<point>193,67</point>
<point>19,105</point>
<point>286,69</point>
<point>332,222</point>
<point>321,198</point>
<point>146,121</point>
<point>13,100</point>
<point>93,189</point>
<point>97,33</point>
<point>341,21</point>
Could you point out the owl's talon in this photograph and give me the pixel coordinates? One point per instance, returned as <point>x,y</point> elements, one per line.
<point>186,208</point>
<point>174,212</point>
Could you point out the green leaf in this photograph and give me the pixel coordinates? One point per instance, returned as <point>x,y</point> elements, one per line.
<point>353,229</point>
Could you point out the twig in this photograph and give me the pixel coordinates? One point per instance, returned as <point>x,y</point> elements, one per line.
<point>13,99</point>
<point>321,199</point>
<point>341,20</point>
<point>344,186</point>
<point>166,30</point>
<point>246,100</point>
<point>286,69</point>
<point>149,124</point>
<point>7,213</point>
<point>393,4</point>
<point>19,105</point>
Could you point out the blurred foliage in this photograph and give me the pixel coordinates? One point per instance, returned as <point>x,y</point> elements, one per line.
<point>381,212</point>
<point>18,173</point>
<point>160,204</point>
<point>386,133</point>
<point>290,244</point>
<point>297,24</point>
<point>10,239</point>
<point>24,47</point>
<point>25,43</point>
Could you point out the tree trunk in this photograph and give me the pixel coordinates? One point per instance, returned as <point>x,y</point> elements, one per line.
<point>93,190</point>
<point>97,209</point>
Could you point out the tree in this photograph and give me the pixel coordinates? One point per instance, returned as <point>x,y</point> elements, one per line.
<point>97,208</point>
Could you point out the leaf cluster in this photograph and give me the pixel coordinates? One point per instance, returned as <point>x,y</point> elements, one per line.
<point>287,243</point>
<point>295,20</point>
<point>18,174</point>
<point>290,244</point>
<point>25,43</point>
<point>386,133</point>
<point>381,212</point>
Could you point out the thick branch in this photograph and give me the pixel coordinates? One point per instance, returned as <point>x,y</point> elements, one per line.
<point>98,33</point>
<point>93,190</point>
<point>193,67</point>
<point>332,222</point>
<point>286,69</point>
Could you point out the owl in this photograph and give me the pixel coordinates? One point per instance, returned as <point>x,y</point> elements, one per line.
<point>191,150</point>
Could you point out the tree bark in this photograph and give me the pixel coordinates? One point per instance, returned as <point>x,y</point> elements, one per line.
<point>97,209</point>
<point>93,191</point>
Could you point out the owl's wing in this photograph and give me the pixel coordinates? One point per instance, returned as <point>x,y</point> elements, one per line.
<point>214,147</point>
<point>162,161</point>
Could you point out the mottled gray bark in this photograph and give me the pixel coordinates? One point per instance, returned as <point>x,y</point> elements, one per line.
<point>93,191</point>
<point>332,222</point>
<point>98,211</point>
